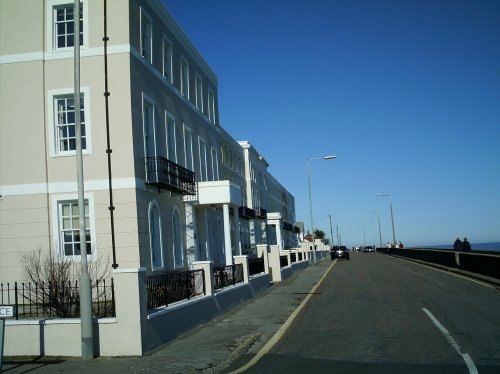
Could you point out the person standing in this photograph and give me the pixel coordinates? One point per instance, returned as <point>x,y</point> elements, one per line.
<point>466,246</point>
<point>458,245</point>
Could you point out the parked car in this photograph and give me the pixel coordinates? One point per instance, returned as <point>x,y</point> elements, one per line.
<point>339,252</point>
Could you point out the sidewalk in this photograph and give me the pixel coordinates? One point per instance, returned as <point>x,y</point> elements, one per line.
<point>209,348</point>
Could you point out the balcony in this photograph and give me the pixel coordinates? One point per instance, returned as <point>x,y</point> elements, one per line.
<point>288,226</point>
<point>261,213</point>
<point>169,176</point>
<point>246,212</point>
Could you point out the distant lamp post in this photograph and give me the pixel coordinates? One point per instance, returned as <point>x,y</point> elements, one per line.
<point>310,200</point>
<point>372,228</point>
<point>392,215</point>
<point>379,231</point>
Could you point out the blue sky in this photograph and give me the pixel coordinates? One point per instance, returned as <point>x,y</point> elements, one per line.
<point>405,93</point>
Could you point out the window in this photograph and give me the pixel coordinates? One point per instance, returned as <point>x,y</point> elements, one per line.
<point>155,237</point>
<point>69,228</point>
<point>184,78</point>
<point>188,148</point>
<point>61,116</point>
<point>171,143</point>
<point>203,160</point>
<point>211,106</point>
<point>199,92</point>
<point>64,32</point>
<point>167,59</point>
<point>215,165</point>
<point>146,36</point>
<point>177,239</point>
<point>148,127</point>
<point>64,107</point>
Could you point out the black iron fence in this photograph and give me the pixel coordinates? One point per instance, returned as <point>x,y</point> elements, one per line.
<point>227,275</point>
<point>56,300</point>
<point>172,286</point>
<point>300,256</point>
<point>283,261</point>
<point>293,257</point>
<point>256,265</point>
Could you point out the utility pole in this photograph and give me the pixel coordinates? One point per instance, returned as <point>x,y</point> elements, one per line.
<point>87,334</point>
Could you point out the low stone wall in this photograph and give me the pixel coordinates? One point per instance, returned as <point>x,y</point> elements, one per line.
<point>135,330</point>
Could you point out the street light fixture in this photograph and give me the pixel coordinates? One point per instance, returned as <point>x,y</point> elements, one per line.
<point>392,215</point>
<point>310,200</point>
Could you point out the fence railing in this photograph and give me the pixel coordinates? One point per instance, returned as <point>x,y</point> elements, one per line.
<point>293,257</point>
<point>283,261</point>
<point>172,286</point>
<point>255,265</point>
<point>170,176</point>
<point>227,275</point>
<point>300,256</point>
<point>56,300</point>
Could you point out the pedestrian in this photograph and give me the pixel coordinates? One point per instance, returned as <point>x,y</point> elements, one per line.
<point>400,245</point>
<point>458,245</point>
<point>466,246</point>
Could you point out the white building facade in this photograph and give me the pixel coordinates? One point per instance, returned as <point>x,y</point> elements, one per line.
<point>184,190</point>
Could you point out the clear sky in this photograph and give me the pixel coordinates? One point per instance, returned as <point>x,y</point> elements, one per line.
<point>406,94</point>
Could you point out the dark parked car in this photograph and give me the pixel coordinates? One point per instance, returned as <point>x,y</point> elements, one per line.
<point>368,248</point>
<point>339,252</point>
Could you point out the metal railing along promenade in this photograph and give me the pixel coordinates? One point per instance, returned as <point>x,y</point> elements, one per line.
<point>227,276</point>
<point>172,286</point>
<point>56,300</point>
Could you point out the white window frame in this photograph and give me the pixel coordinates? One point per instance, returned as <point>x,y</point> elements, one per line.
<point>188,147</point>
<point>169,116</point>
<point>56,201</point>
<point>167,70</point>
<point>146,46</point>
<point>52,120</point>
<point>215,163</point>
<point>211,105</point>
<point>198,86</point>
<point>174,233</point>
<point>184,85</point>
<point>149,101</point>
<point>50,24</point>
<point>154,205</point>
<point>203,159</point>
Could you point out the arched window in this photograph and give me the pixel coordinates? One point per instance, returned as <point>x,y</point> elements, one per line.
<point>177,239</point>
<point>155,237</point>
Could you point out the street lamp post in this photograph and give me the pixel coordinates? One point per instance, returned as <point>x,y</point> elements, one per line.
<point>392,215</point>
<point>379,231</point>
<point>87,334</point>
<point>310,199</point>
<point>371,229</point>
<point>331,230</point>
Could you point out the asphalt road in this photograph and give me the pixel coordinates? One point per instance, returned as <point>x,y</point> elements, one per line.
<point>379,314</point>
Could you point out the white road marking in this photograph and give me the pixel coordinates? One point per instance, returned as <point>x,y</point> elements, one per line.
<point>466,357</point>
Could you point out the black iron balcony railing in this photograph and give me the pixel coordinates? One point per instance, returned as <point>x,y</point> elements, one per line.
<point>288,226</point>
<point>168,175</point>
<point>261,213</point>
<point>246,212</point>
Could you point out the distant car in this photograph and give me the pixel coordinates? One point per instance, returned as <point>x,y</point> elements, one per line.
<point>339,252</point>
<point>368,248</point>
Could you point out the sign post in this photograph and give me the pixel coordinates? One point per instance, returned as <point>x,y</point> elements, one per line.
<point>6,311</point>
